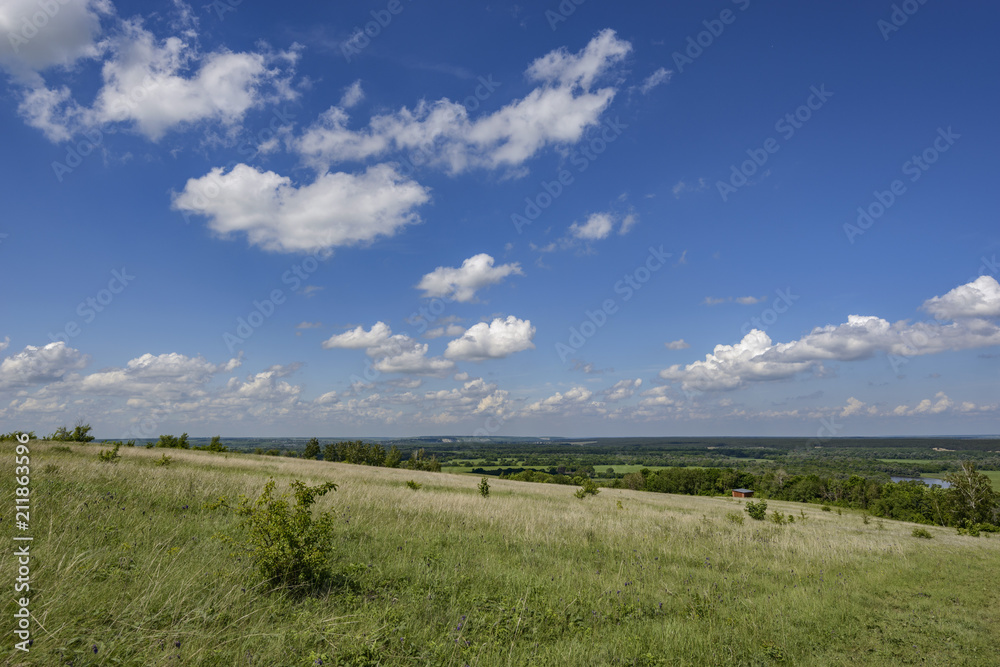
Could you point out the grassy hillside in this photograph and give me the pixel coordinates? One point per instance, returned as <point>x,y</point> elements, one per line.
<point>127,570</point>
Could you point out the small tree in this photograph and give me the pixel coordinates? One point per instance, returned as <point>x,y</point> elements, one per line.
<point>81,432</point>
<point>393,457</point>
<point>287,545</point>
<point>171,442</point>
<point>216,445</point>
<point>972,495</point>
<point>757,510</point>
<point>62,434</point>
<point>312,449</point>
<point>587,488</point>
<point>109,455</point>
<point>419,461</point>
<point>484,487</point>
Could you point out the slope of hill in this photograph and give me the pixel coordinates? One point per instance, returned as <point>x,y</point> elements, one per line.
<point>127,568</point>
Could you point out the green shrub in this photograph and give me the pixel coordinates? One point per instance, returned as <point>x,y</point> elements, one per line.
<point>866,519</point>
<point>216,445</point>
<point>312,449</point>
<point>777,517</point>
<point>80,433</point>
<point>968,528</point>
<point>825,508</point>
<point>922,532</point>
<point>735,517</point>
<point>419,461</point>
<point>109,455</point>
<point>756,510</point>
<point>289,548</point>
<point>392,457</point>
<point>164,461</point>
<point>413,485</point>
<point>174,443</point>
<point>587,488</point>
<point>973,529</point>
<point>16,435</point>
<point>484,487</point>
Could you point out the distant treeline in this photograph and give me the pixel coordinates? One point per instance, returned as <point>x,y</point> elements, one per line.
<point>970,500</point>
<point>371,454</point>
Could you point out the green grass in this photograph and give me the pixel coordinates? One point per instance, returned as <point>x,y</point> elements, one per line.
<point>636,468</point>
<point>994,476</point>
<point>125,559</point>
<point>468,469</point>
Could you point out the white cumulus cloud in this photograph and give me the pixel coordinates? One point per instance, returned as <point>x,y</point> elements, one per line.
<point>495,340</point>
<point>941,403</point>
<point>598,226</point>
<point>358,338</point>
<point>980,298</point>
<point>462,283</point>
<point>337,209</point>
<point>730,366</point>
<point>39,365</point>
<point>621,390</point>
<point>35,39</point>
<point>391,353</point>
<point>558,111</point>
<point>155,86</point>
<point>757,358</point>
<point>560,402</point>
<point>152,376</point>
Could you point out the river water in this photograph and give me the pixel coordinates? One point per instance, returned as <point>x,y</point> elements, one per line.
<point>926,480</point>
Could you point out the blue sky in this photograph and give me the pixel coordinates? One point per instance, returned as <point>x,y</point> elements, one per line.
<point>569,219</point>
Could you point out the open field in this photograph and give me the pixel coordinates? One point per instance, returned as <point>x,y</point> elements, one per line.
<point>637,468</point>
<point>994,476</point>
<point>126,569</point>
<point>469,469</point>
